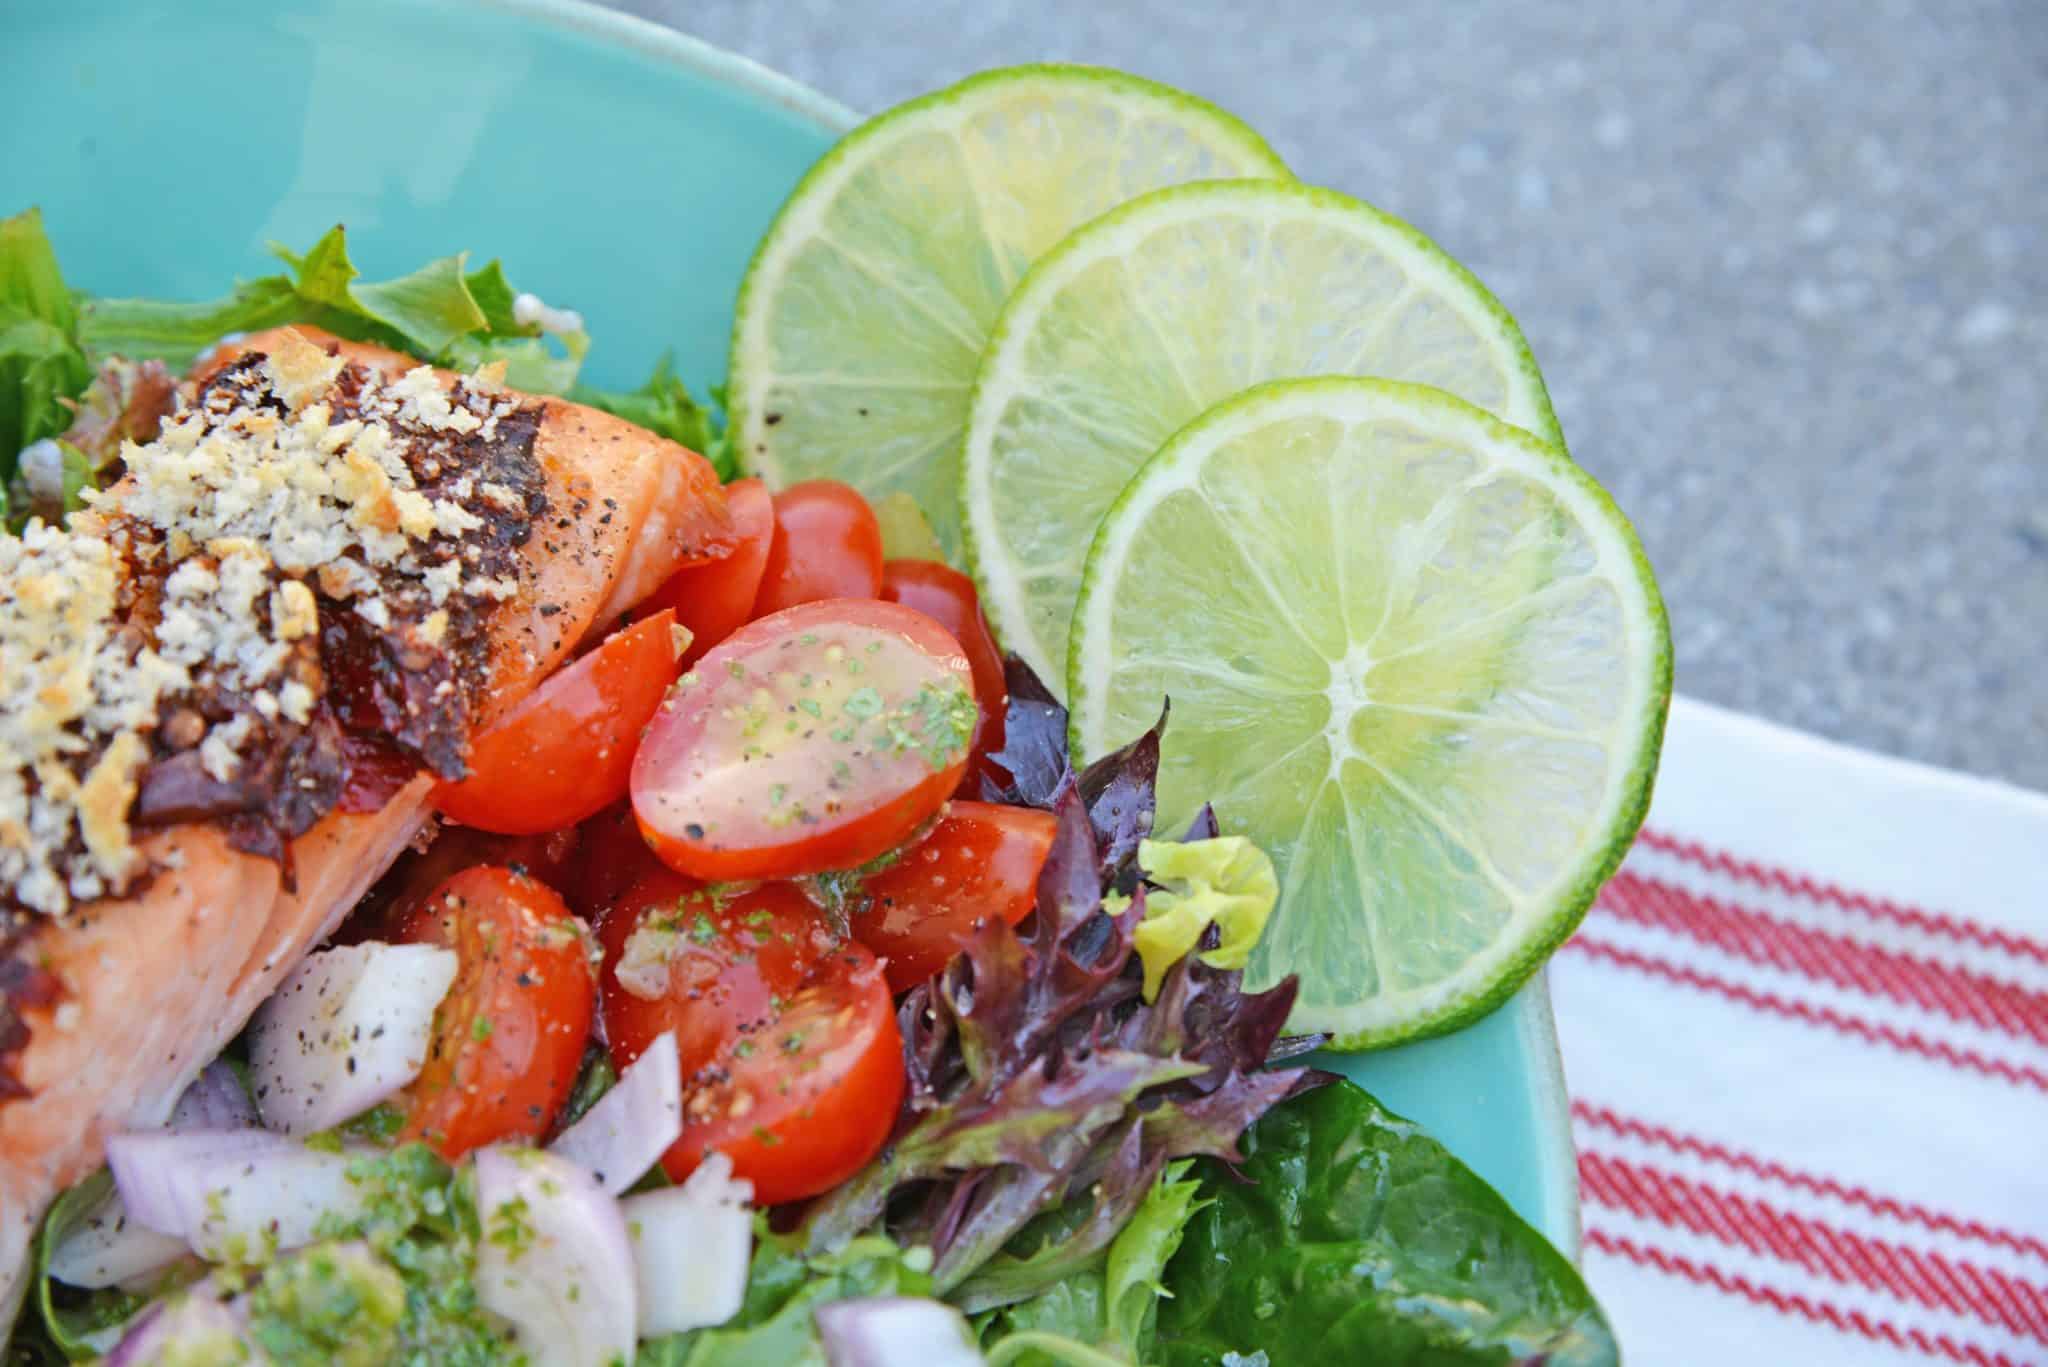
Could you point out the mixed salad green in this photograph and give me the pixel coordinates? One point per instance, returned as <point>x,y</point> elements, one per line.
<point>1081,1128</point>
<point>1207,1203</point>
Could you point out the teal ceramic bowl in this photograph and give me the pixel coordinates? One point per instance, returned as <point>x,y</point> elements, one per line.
<point>617,168</point>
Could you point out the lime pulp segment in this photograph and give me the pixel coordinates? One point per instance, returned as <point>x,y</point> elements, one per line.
<point>1155,312</point>
<point>863,315</point>
<point>1416,654</point>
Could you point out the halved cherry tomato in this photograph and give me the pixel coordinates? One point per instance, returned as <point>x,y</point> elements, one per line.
<point>792,1062</point>
<point>509,1036</point>
<point>981,860</point>
<point>611,856</point>
<point>681,958</point>
<point>814,739</point>
<point>947,596</point>
<point>827,545</point>
<point>567,751</point>
<point>802,1105</point>
<point>715,598</point>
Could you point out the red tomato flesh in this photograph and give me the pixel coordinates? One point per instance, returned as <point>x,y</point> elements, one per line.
<point>611,856</point>
<point>981,860</point>
<point>947,596</point>
<point>705,966</point>
<point>827,545</point>
<point>567,751</point>
<point>715,598</point>
<point>509,1036</point>
<point>815,739</point>
<point>802,1105</point>
<point>791,1058</point>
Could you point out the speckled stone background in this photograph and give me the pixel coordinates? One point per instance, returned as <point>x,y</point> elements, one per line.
<point>1785,267</point>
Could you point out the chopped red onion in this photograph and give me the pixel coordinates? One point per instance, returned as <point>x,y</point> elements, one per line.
<point>633,1124</point>
<point>230,1193</point>
<point>216,1100</point>
<point>348,1028</point>
<point>191,1328</point>
<point>691,1246</point>
<point>895,1331</point>
<point>554,1260</point>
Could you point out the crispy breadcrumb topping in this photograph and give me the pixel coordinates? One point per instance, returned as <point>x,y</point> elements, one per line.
<point>169,652</point>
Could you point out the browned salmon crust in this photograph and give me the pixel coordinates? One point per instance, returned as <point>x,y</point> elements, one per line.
<point>123,1001</point>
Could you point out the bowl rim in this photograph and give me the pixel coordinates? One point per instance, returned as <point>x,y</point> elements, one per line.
<point>693,54</point>
<point>1534,1021</point>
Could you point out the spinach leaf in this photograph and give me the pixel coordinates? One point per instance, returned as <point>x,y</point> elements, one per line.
<point>784,1285</point>
<point>41,362</point>
<point>1358,1238</point>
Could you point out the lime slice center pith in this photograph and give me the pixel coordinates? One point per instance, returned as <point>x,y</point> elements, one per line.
<point>1414,653</point>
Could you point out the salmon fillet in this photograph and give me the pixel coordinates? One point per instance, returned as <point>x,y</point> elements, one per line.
<point>150,987</point>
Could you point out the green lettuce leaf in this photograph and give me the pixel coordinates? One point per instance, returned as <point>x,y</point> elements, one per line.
<point>443,313</point>
<point>29,279</point>
<point>175,331</point>
<point>1358,1238</point>
<point>41,362</point>
<point>428,309</point>
<point>784,1285</point>
<point>1224,881</point>
<point>78,478</point>
<point>1109,1305</point>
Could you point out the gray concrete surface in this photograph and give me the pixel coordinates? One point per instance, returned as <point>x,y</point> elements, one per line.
<point>1785,267</point>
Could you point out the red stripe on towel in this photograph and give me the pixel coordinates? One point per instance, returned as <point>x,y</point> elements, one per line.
<point>1906,1041</point>
<point>1906,1212</point>
<point>1791,1303</point>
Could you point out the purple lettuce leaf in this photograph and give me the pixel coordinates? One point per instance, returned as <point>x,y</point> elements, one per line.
<point>1034,751</point>
<point>1118,789</point>
<point>1069,1238</point>
<point>1041,1086</point>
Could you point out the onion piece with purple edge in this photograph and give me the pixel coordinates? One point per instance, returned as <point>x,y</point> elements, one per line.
<point>632,1125</point>
<point>691,1249</point>
<point>554,1260</point>
<point>232,1195</point>
<point>347,1029</point>
<point>159,1173</point>
<point>216,1100</point>
<point>895,1331</point>
<point>108,1247</point>
<point>191,1328</point>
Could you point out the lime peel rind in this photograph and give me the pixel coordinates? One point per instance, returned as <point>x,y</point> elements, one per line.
<point>1641,668</point>
<point>1007,527</point>
<point>867,432</point>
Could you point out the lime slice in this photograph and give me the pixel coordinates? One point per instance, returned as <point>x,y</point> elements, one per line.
<point>1415,653</point>
<point>864,312</point>
<point>1155,312</point>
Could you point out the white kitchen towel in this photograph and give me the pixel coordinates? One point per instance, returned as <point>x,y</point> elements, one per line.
<point>1805,1030</point>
